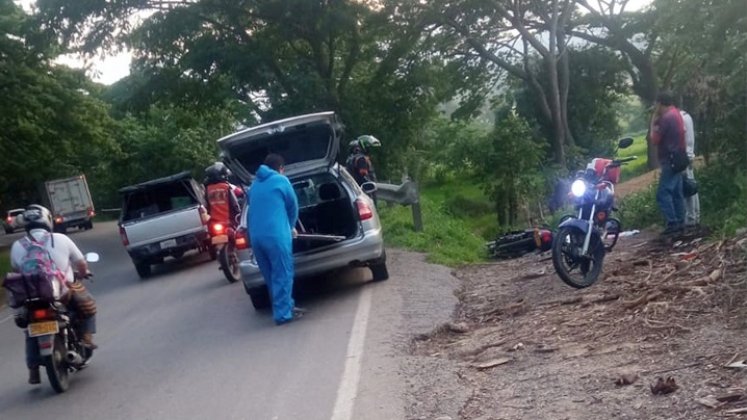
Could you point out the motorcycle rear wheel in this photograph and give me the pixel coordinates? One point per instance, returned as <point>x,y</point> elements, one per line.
<point>56,366</point>
<point>229,263</point>
<point>575,270</point>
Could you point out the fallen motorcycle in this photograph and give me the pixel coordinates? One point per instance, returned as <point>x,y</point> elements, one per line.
<point>579,245</point>
<point>517,243</point>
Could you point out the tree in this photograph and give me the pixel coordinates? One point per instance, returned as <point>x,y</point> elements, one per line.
<point>507,34</point>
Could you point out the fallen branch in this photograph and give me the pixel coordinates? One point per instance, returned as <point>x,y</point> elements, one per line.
<point>632,304</point>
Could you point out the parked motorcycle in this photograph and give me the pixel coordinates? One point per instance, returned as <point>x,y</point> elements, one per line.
<point>55,330</point>
<point>520,242</point>
<point>579,245</point>
<point>223,240</point>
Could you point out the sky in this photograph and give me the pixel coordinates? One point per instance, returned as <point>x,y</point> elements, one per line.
<point>112,67</point>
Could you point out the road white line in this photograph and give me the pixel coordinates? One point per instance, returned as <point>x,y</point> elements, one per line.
<point>348,389</point>
<point>6,318</point>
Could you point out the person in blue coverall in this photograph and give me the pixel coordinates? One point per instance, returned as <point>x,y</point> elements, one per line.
<point>272,216</point>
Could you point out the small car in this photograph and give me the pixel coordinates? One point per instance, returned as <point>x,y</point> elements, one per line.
<point>338,222</point>
<point>13,221</point>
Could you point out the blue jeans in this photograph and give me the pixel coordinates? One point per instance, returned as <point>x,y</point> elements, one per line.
<point>669,195</point>
<point>33,360</point>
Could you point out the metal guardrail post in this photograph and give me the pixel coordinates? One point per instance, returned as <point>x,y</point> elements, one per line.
<point>406,194</point>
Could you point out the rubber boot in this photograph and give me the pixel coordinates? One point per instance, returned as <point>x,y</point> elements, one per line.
<point>34,376</point>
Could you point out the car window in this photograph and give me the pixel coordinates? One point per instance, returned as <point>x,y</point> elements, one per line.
<point>14,213</point>
<point>159,199</point>
<point>307,189</point>
<point>350,181</point>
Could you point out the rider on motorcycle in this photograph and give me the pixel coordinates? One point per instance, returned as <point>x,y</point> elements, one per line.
<point>222,203</point>
<point>358,162</point>
<point>67,259</point>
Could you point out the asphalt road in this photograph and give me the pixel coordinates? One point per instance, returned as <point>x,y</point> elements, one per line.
<point>185,344</point>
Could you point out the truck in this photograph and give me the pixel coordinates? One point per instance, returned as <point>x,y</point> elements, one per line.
<point>161,218</point>
<point>70,202</point>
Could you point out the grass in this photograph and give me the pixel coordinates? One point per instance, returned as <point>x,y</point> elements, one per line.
<point>457,217</point>
<point>638,166</point>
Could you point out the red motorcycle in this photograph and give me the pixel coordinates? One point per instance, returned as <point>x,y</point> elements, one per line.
<point>223,240</point>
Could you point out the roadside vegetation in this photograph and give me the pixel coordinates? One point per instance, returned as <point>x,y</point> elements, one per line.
<point>485,131</point>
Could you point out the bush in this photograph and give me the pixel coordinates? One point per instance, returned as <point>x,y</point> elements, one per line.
<point>639,210</point>
<point>723,196</point>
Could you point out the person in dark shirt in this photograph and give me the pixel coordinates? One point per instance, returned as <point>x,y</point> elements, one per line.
<point>668,134</point>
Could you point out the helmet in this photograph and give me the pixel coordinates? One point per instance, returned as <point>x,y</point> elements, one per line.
<point>364,142</point>
<point>37,217</point>
<point>216,172</point>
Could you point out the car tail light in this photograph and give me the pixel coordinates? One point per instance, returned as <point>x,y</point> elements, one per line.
<point>42,314</point>
<point>123,234</point>
<point>241,241</point>
<point>9,220</point>
<point>59,219</point>
<point>218,228</point>
<point>364,210</point>
<point>91,213</point>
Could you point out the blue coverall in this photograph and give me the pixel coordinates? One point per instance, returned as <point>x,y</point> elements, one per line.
<point>273,212</point>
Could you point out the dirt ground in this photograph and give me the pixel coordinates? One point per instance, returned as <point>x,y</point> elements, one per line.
<point>523,345</point>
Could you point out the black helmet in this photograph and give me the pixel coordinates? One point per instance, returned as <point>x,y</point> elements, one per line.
<point>216,172</point>
<point>37,217</point>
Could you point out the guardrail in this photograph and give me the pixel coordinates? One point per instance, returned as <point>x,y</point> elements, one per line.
<point>406,194</point>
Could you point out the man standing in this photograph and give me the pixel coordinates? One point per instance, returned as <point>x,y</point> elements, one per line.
<point>668,134</point>
<point>273,213</point>
<point>692,203</point>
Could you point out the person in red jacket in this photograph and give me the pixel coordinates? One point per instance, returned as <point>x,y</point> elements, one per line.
<point>223,205</point>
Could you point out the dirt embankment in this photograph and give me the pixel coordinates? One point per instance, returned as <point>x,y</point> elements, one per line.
<point>522,345</point>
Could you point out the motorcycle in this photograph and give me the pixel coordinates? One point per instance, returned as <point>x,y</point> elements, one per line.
<point>520,242</point>
<point>579,246</point>
<point>223,240</point>
<point>52,325</point>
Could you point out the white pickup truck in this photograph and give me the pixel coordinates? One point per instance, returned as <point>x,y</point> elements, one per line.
<point>163,218</point>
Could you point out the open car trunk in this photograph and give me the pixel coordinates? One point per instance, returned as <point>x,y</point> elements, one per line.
<point>325,208</point>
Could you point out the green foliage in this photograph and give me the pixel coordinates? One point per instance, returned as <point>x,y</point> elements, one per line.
<point>723,197</point>
<point>447,238</point>
<point>639,210</point>
<point>639,166</point>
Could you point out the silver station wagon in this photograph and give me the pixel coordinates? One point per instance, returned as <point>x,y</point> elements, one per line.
<point>338,223</point>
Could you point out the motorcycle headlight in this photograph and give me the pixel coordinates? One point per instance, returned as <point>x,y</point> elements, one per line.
<point>578,188</point>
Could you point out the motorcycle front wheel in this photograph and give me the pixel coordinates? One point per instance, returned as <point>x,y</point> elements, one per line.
<point>56,366</point>
<point>229,263</point>
<point>574,269</point>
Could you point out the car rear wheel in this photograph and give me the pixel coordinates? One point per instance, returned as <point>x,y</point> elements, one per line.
<point>143,269</point>
<point>379,269</point>
<point>260,297</point>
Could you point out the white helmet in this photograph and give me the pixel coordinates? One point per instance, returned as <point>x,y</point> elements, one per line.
<point>37,217</point>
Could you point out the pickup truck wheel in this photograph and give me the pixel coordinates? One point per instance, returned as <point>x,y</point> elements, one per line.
<point>379,269</point>
<point>260,297</point>
<point>89,225</point>
<point>60,229</point>
<point>143,269</point>
<point>8,230</point>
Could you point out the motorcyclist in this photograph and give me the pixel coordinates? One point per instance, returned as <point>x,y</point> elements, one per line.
<point>68,261</point>
<point>223,205</point>
<point>358,162</point>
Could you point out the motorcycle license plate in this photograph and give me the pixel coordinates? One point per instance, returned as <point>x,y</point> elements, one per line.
<point>219,239</point>
<point>43,328</point>
<point>168,244</point>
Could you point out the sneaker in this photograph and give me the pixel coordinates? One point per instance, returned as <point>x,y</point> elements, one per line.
<point>295,317</point>
<point>299,310</point>
<point>34,376</point>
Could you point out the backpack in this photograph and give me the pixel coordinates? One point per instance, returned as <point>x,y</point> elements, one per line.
<point>36,273</point>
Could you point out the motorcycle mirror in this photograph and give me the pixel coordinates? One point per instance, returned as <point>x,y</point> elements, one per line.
<point>369,187</point>
<point>625,142</point>
<point>92,257</point>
